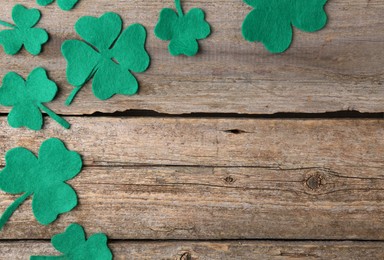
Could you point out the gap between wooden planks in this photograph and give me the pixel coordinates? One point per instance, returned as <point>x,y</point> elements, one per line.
<point>167,178</point>
<point>245,250</point>
<point>337,68</point>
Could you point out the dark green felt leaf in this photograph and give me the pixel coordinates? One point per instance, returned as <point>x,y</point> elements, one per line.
<point>83,61</point>
<point>23,32</point>
<point>108,55</point>
<point>270,22</point>
<point>122,82</point>
<point>43,178</point>
<point>74,246</point>
<point>136,57</point>
<point>100,32</point>
<point>73,236</point>
<point>27,98</point>
<point>182,30</point>
<point>65,5</point>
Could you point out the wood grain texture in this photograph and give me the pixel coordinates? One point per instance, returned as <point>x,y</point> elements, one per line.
<point>245,250</point>
<point>350,147</point>
<point>202,179</point>
<point>253,179</point>
<point>215,203</point>
<point>338,68</point>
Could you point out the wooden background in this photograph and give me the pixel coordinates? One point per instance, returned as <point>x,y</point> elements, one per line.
<point>226,155</point>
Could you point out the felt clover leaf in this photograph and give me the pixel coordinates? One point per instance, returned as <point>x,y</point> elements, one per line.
<point>74,245</point>
<point>41,177</point>
<point>181,30</point>
<point>270,22</point>
<point>108,56</point>
<point>65,5</point>
<point>27,98</point>
<point>23,32</point>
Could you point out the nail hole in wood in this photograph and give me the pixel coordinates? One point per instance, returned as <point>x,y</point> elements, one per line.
<point>234,131</point>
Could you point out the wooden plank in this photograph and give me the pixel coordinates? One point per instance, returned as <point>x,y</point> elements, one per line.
<point>215,203</point>
<point>215,250</point>
<point>294,179</point>
<point>338,68</point>
<point>347,147</point>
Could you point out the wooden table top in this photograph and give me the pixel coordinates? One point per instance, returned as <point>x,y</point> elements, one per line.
<point>235,153</point>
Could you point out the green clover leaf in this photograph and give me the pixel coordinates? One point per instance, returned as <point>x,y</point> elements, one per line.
<point>27,98</point>
<point>270,22</point>
<point>181,30</point>
<point>41,177</point>
<point>65,5</point>
<point>23,32</point>
<point>74,245</point>
<point>108,56</point>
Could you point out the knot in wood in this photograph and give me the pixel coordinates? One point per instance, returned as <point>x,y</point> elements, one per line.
<point>314,182</point>
<point>229,179</point>
<point>185,256</point>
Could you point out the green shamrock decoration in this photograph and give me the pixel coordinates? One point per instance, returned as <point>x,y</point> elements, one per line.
<point>74,245</point>
<point>27,98</point>
<point>271,21</point>
<point>65,5</point>
<point>23,32</point>
<point>181,30</point>
<point>43,178</point>
<point>108,56</point>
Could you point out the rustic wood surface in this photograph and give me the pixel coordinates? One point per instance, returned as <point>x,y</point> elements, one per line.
<point>215,203</point>
<point>245,250</point>
<point>170,178</point>
<point>350,147</point>
<point>177,187</point>
<point>338,68</point>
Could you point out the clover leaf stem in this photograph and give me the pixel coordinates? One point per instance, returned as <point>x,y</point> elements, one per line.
<point>72,95</point>
<point>179,8</point>
<point>7,24</point>
<point>54,116</point>
<point>12,208</point>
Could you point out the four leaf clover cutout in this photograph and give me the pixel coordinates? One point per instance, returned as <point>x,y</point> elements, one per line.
<point>107,55</point>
